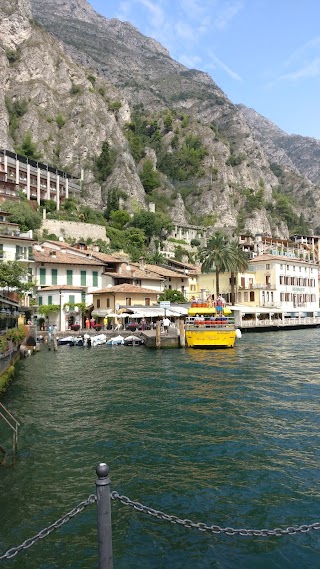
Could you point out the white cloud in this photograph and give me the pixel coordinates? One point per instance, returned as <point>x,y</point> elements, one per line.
<point>157,15</point>
<point>311,69</point>
<point>190,61</point>
<point>216,62</point>
<point>226,13</point>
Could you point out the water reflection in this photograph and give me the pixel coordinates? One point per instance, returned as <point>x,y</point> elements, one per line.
<point>228,437</point>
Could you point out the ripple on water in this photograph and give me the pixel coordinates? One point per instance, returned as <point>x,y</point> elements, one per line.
<point>228,437</point>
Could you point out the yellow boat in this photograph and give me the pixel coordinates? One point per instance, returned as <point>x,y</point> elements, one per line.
<point>208,329</point>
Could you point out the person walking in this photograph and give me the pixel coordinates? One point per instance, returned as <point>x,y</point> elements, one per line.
<point>166,324</point>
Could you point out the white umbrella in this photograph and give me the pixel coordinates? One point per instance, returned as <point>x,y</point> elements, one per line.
<point>112,315</point>
<point>124,315</point>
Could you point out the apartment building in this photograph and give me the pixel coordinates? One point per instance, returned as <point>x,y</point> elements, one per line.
<point>36,180</point>
<point>282,282</point>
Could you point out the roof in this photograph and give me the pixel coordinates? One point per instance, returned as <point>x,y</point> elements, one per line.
<point>62,258</point>
<point>126,287</point>
<point>164,271</point>
<point>281,258</point>
<point>135,272</point>
<point>105,257</point>
<point>61,287</point>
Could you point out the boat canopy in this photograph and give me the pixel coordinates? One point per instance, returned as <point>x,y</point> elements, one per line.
<point>207,311</point>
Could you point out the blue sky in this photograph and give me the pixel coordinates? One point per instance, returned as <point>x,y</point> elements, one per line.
<point>262,53</point>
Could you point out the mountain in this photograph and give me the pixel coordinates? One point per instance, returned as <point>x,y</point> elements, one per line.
<point>76,80</point>
<point>299,153</point>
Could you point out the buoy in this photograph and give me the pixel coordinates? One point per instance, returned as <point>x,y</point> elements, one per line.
<point>238,333</point>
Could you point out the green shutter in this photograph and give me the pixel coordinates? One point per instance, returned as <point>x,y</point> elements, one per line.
<point>40,301</point>
<point>83,276</point>
<point>69,277</point>
<point>49,299</point>
<point>71,299</point>
<point>42,276</point>
<point>94,278</point>
<point>54,276</point>
<point>83,296</point>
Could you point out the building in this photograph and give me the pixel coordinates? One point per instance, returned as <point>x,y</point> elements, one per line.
<point>113,298</point>
<point>37,181</point>
<point>275,281</point>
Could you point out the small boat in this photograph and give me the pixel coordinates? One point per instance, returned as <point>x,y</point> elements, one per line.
<point>133,341</point>
<point>98,340</point>
<point>66,341</point>
<point>209,328</point>
<point>116,341</point>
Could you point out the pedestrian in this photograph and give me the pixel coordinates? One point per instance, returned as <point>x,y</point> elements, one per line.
<point>143,324</point>
<point>166,324</point>
<point>87,323</point>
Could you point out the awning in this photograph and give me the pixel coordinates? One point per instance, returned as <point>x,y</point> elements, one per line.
<point>155,311</point>
<point>100,312</point>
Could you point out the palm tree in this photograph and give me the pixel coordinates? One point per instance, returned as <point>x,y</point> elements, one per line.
<point>218,255</point>
<point>239,265</point>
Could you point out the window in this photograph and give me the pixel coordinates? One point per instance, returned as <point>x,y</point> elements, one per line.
<point>281,267</point>
<point>108,303</point>
<point>1,251</point>
<point>54,276</point>
<point>98,303</point>
<point>94,278</point>
<point>71,299</point>
<point>147,301</point>
<point>40,301</point>
<point>268,267</point>
<point>69,277</point>
<point>83,296</point>
<point>252,296</point>
<point>288,267</point>
<point>30,275</point>
<point>128,301</point>
<point>83,278</point>
<point>42,276</point>
<point>239,296</point>
<point>245,297</point>
<point>50,299</point>
<point>282,296</point>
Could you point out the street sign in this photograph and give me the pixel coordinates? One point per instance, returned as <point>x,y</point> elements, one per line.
<point>164,303</point>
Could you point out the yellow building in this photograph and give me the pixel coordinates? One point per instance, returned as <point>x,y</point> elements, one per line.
<point>112,299</point>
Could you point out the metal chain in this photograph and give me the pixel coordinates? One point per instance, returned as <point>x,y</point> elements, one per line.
<point>291,530</point>
<point>46,531</point>
<point>215,529</point>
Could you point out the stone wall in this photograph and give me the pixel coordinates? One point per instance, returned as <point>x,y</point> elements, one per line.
<point>74,230</point>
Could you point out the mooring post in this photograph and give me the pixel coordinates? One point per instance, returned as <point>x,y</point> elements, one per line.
<point>104,517</point>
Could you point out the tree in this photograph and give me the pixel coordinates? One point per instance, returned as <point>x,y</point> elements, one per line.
<point>149,176</point>
<point>172,295</point>
<point>104,162</point>
<point>12,276</point>
<point>239,265</point>
<point>218,255</point>
<point>151,223</point>
<point>28,148</point>
<point>23,214</point>
<point>119,218</point>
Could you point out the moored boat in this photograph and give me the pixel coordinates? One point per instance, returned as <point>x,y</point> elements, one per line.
<point>209,328</point>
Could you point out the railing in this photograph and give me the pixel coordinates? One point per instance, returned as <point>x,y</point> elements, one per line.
<point>13,424</point>
<point>279,322</point>
<point>196,323</point>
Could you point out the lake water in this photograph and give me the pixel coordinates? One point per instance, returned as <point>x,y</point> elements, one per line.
<point>222,437</point>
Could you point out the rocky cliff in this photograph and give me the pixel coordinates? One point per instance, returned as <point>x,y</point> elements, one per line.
<point>79,79</point>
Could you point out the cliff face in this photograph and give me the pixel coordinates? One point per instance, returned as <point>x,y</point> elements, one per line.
<point>78,86</point>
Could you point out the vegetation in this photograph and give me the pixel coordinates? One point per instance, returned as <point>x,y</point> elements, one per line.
<point>153,224</point>
<point>12,276</point>
<point>28,148</point>
<point>172,295</point>
<point>23,214</point>
<point>149,177</point>
<point>222,255</point>
<point>104,162</point>
<point>47,309</point>
<point>16,109</point>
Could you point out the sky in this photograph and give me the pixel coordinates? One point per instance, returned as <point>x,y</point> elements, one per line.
<point>264,54</point>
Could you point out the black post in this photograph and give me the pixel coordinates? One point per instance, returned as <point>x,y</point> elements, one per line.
<point>104,517</point>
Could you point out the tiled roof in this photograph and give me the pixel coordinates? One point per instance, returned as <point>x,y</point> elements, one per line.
<point>105,257</point>
<point>282,258</point>
<point>62,258</point>
<point>61,287</point>
<point>126,287</point>
<point>164,272</point>
<point>136,273</point>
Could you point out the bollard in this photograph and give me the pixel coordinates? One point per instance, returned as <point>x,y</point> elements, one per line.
<point>104,517</point>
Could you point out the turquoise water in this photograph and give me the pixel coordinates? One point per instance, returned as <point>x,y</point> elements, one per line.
<point>226,437</point>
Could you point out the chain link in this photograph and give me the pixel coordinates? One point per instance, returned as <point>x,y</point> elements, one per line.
<point>46,531</point>
<point>214,529</point>
<point>200,526</point>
